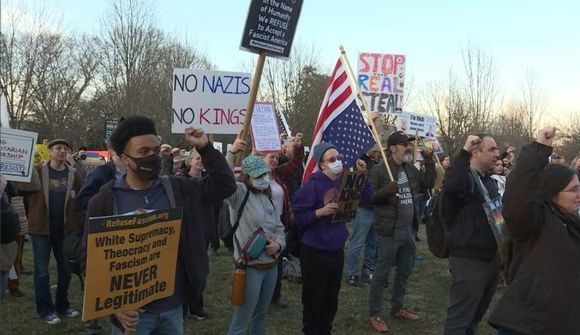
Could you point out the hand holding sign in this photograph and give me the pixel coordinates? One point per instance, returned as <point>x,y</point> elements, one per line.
<point>330,209</point>
<point>238,146</point>
<point>196,137</point>
<point>129,320</point>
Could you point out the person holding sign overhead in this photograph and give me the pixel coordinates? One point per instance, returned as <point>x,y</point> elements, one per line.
<point>138,146</point>
<point>321,253</point>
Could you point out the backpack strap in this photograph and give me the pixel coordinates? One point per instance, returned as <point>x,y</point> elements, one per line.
<point>240,211</point>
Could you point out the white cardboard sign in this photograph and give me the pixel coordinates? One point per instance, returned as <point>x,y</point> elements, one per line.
<point>265,131</point>
<point>214,101</point>
<point>16,153</point>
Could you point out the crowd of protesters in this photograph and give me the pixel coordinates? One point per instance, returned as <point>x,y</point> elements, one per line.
<point>518,212</point>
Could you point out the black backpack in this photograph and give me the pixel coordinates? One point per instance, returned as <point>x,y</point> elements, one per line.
<point>437,232</point>
<point>72,248</point>
<point>9,223</point>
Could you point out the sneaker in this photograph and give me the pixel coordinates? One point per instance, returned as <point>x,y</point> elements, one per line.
<point>379,324</point>
<point>406,315</point>
<point>200,315</point>
<point>353,281</point>
<point>71,313</point>
<point>367,276</point>
<point>52,319</point>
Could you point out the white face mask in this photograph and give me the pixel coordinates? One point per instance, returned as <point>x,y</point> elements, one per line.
<point>335,167</point>
<point>261,183</point>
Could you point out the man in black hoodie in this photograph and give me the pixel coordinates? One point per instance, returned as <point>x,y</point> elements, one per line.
<point>472,244</point>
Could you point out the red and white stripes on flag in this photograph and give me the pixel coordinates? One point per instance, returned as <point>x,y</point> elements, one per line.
<point>340,122</point>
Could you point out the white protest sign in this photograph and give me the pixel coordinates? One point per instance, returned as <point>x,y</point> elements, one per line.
<point>16,152</point>
<point>265,130</point>
<point>4,116</point>
<point>212,100</point>
<point>285,123</point>
<point>411,122</point>
<point>381,78</point>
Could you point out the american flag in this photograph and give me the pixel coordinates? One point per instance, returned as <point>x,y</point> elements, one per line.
<point>340,122</point>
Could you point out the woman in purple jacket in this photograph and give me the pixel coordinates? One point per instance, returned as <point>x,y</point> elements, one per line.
<point>322,242</point>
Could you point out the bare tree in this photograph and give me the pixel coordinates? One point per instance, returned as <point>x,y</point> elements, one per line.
<point>569,136</point>
<point>296,85</point>
<point>533,104</point>
<point>20,43</point>
<point>69,68</point>
<point>466,103</point>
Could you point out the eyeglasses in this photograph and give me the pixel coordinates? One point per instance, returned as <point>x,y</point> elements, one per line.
<point>335,158</point>
<point>575,189</point>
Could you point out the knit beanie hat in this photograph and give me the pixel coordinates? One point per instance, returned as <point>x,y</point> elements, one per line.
<point>320,149</point>
<point>555,178</point>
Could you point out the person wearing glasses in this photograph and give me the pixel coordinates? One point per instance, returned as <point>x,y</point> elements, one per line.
<point>322,241</point>
<point>540,207</point>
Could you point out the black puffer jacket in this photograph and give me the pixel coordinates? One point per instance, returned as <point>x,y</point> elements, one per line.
<point>543,296</point>
<point>469,232</point>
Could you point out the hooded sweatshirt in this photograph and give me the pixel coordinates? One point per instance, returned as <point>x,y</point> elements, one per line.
<point>320,233</point>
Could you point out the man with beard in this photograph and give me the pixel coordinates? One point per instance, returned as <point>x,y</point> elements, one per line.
<point>396,220</point>
<point>468,187</point>
<point>135,141</point>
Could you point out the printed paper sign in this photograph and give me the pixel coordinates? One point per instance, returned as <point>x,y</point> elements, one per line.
<point>270,26</point>
<point>350,193</point>
<point>131,261</point>
<point>411,122</point>
<point>381,78</point>
<point>265,130</point>
<point>110,126</point>
<point>16,152</point>
<point>215,101</point>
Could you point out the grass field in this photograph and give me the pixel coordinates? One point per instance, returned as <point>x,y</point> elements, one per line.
<point>427,294</point>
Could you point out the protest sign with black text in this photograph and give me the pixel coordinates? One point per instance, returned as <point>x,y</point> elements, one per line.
<point>131,261</point>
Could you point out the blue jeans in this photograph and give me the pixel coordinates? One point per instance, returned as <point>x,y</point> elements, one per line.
<point>165,323</point>
<point>252,314</point>
<point>363,233</point>
<point>398,250</point>
<point>41,247</point>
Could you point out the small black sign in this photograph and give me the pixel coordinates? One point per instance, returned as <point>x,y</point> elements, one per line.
<point>270,26</point>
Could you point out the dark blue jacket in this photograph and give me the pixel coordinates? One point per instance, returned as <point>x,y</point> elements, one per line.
<point>93,183</point>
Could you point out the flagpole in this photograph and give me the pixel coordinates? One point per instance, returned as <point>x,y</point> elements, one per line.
<point>366,109</point>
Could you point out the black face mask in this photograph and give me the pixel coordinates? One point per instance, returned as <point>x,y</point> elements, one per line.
<point>148,167</point>
<point>83,157</point>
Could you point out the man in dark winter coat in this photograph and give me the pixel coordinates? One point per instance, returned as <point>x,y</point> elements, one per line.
<point>136,143</point>
<point>472,244</point>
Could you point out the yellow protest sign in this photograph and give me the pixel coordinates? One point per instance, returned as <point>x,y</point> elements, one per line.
<point>42,149</point>
<point>131,261</point>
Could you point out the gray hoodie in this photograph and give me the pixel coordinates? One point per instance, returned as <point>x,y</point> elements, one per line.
<point>258,212</point>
